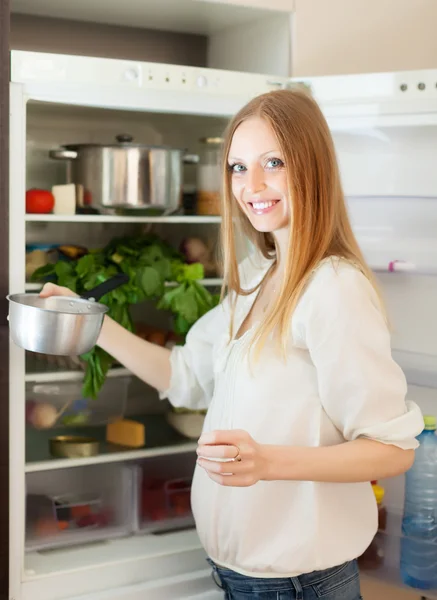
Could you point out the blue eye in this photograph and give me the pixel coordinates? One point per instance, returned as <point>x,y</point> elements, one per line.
<point>274,163</point>
<point>237,168</point>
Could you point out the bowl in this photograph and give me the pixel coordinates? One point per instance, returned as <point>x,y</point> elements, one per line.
<point>188,424</point>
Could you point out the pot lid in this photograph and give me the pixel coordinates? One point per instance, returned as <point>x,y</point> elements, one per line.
<point>123,140</point>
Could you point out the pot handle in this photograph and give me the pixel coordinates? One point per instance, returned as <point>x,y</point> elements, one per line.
<point>190,159</point>
<point>63,154</point>
<point>124,138</point>
<point>107,286</point>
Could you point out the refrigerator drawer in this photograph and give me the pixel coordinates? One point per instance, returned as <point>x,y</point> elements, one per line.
<point>77,506</point>
<point>162,490</point>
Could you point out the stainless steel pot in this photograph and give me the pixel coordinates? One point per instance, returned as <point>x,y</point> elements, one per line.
<point>127,175</point>
<point>60,325</point>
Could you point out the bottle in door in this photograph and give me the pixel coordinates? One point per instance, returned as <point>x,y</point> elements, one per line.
<point>419,524</point>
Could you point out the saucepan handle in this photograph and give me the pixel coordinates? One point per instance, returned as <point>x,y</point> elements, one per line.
<point>107,286</point>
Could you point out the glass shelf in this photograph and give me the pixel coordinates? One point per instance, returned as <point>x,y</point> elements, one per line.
<point>161,440</point>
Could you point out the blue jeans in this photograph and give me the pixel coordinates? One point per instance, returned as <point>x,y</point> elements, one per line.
<point>338,583</point>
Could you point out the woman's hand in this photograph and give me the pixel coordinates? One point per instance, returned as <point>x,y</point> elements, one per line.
<point>50,289</point>
<point>233,458</point>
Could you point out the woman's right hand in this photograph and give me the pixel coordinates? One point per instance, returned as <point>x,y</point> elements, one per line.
<point>51,289</point>
<point>149,362</point>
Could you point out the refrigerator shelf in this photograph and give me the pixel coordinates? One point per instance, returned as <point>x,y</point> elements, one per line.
<point>388,543</point>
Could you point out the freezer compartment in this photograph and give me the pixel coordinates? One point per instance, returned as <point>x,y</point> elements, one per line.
<point>77,506</point>
<point>162,493</point>
<point>64,404</point>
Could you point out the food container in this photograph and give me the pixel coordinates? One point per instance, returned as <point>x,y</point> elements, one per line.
<point>162,494</point>
<point>73,446</point>
<point>93,503</point>
<point>209,177</point>
<point>188,424</point>
<point>72,409</point>
<point>126,174</point>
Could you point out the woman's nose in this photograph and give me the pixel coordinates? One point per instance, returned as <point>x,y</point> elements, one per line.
<point>255,181</point>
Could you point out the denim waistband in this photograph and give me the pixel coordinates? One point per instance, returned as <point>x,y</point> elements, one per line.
<point>346,571</point>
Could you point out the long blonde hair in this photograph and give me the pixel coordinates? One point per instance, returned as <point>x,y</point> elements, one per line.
<point>320,223</point>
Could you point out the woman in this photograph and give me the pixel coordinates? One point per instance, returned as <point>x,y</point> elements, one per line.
<point>305,404</point>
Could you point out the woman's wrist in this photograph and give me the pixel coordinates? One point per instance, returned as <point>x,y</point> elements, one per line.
<point>280,462</point>
<point>105,332</point>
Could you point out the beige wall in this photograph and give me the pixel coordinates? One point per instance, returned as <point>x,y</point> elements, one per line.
<point>357,36</point>
<point>92,39</point>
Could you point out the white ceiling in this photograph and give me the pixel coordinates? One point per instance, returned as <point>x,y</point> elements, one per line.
<point>185,16</point>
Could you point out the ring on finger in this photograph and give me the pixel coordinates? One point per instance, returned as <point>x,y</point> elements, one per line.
<point>237,458</point>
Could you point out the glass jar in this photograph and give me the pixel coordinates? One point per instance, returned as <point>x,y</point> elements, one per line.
<point>209,176</point>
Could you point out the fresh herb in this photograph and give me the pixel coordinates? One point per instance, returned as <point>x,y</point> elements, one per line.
<point>150,263</point>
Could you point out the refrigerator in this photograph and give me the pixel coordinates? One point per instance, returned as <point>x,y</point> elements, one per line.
<point>384,127</point>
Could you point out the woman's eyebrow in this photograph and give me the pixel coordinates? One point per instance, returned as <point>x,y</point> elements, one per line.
<point>260,156</point>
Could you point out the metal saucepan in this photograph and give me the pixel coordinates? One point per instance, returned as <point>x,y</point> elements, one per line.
<point>60,325</point>
<point>127,175</point>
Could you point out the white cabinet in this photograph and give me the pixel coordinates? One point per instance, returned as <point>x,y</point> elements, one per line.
<point>241,35</point>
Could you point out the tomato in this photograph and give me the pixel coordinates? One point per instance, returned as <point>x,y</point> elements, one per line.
<point>39,201</point>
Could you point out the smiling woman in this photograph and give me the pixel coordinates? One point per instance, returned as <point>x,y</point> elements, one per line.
<point>305,405</point>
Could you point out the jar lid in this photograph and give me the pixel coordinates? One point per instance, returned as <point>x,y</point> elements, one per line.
<point>379,492</point>
<point>212,140</point>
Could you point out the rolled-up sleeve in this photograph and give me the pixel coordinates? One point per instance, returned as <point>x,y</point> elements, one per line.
<point>192,365</point>
<point>362,389</point>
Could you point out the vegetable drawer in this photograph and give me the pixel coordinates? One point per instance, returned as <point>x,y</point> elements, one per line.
<point>162,490</point>
<point>76,506</point>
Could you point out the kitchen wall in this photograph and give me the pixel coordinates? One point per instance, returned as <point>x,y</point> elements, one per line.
<point>92,39</point>
<point>357,36</point>
<point>266,46</point>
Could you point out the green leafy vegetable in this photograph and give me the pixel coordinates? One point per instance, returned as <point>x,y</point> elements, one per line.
<point>150,263</point>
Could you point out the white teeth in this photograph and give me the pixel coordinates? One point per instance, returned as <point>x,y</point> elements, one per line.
<point>262,205</point>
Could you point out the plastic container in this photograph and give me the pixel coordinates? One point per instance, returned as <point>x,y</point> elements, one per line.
<point>88,504</point>
<point>373,557</point>
<point>419,524</point>
<point>209,177</point>
<point>72,409</point>
<point>162,494</point>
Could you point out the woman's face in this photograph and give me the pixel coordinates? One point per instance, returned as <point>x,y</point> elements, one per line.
<point>258,176</point>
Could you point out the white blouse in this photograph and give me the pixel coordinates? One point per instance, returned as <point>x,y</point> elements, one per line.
<point>339,383</point>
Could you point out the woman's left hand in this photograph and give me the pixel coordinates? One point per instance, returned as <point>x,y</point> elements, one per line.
<point>246,461</point>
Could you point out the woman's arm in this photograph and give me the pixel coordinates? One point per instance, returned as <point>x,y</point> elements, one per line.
<point>359,460</point>
<point>149,362</point>
<point>184,375</point>
<point>361,388</point>
<point>350,462</point>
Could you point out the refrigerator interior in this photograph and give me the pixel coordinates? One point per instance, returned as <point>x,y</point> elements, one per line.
<point>391,187</point>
